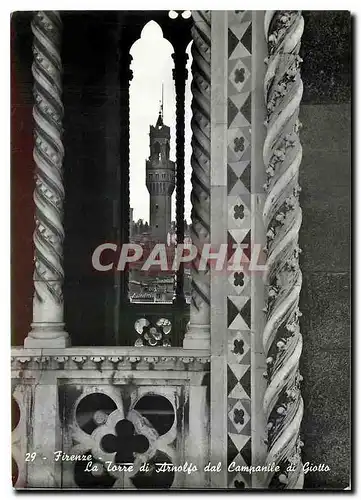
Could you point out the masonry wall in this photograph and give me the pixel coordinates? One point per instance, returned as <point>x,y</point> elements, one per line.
<point>325,177</point>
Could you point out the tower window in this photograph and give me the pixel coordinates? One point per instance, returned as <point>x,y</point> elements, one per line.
<point>156,150</point>
<point>156,205</point>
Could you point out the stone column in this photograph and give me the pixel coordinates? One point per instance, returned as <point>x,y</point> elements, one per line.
<point>198,332</point>
<point>125,77</point>
<point>258,291</point>
<point>219,224</point>
<point>180,74</point>
<point>282,215</point>
<point>48,326</point>
<point>46,434</point>
<point>121,278</point>
<point>197,444</point>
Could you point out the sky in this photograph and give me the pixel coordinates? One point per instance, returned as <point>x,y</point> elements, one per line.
<point>152,66</point>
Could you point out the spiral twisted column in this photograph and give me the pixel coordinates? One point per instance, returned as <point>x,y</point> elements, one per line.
<point>180,74</point>
<point>282,339</point>
<point>48,326</point>
<point>198,334</point>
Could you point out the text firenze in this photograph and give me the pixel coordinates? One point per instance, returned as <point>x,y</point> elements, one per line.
<point>186,467</point>
<point>235,257</point>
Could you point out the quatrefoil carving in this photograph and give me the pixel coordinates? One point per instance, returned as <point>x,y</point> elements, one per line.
<point>238,279</point>
<point>239,75</point>
<point>238,347</point>
<point>238,416</point>
<point>125,442</point>
<point>238,144</point>
<point>239,211</point>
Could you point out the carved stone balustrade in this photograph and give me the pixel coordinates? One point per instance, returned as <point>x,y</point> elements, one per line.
<point>33,363</point>
<point>154,397</point>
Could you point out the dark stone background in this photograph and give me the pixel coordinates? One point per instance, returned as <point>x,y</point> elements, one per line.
<point>91,144</point>
<point>325,178</point>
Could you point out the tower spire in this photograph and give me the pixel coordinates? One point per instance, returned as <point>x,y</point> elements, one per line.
<point>162,99</point>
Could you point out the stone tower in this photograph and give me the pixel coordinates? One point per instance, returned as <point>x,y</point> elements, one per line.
<point>160,179</point>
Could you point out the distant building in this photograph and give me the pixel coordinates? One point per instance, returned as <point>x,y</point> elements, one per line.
<point>160,180</point>
<point>156,285</point>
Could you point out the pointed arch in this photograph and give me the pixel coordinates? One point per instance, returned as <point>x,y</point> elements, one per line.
<point>152,66</point>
